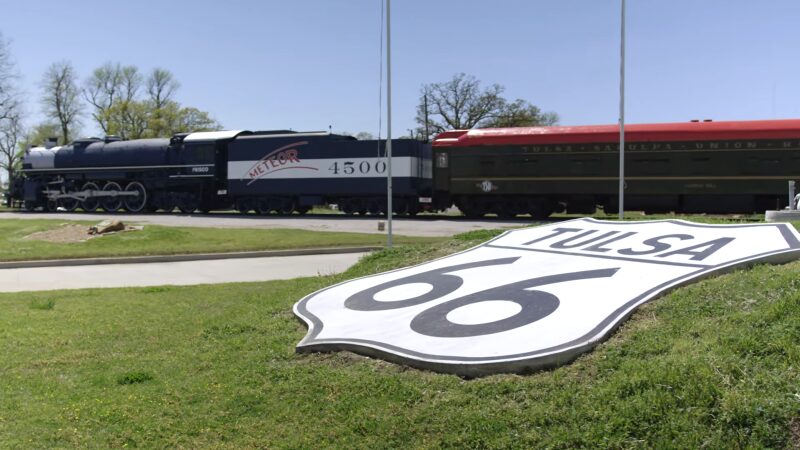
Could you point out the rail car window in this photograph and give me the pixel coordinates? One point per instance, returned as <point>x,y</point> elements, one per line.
<point>441,160</point>
<point>203,153</point>
<point>650,166</point>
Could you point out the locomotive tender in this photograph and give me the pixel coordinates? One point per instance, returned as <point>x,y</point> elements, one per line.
<point>694,167</point>
<point>281,171</point>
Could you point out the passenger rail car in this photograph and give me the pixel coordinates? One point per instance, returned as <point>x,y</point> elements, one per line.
<point>693,167</point>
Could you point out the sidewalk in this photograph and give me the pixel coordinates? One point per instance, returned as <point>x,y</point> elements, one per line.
<point>208,271</point>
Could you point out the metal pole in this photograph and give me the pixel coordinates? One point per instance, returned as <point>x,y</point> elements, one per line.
<point>622,116</point>
<point>427,132</point>
<point>792,205</point>
<point>389,123</point>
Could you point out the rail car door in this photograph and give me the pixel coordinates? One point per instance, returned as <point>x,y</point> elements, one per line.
<point>221,165</point>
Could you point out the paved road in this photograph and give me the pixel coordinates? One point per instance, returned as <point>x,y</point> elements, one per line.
<point>419,226</point>
<point>174,273</point>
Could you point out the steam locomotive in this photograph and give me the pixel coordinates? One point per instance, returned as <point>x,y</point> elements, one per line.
<point>269,171</point>
<point>693,167</point>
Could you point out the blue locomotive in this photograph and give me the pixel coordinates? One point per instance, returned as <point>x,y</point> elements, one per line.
<point>267,171</point>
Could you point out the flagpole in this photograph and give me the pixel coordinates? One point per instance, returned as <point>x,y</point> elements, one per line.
<point>389,123</point>
<point>622,116</point>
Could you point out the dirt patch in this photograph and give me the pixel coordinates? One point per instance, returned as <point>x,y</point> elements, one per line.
<point>69,233</point>
<point>794,430</point>
<point>63,234</point>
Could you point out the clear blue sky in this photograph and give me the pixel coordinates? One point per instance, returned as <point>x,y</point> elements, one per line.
<point>309,64</point>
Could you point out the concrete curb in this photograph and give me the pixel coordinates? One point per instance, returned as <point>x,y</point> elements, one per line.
<point>185,257</point>
<point>784,215</point>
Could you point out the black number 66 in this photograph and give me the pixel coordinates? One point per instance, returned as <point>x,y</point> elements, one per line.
<point>433,321</point>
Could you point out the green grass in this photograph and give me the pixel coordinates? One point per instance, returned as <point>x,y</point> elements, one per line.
<point>159,240</point>
<point>714,364</point>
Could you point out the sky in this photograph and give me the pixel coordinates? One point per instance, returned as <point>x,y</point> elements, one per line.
<point>314,64</point>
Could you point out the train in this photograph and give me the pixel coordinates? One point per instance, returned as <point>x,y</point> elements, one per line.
<point>264,172</point>
<point>689,167</point>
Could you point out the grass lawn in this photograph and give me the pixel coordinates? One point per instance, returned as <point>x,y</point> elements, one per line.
<point>158,240</point>
<point>715,364</point>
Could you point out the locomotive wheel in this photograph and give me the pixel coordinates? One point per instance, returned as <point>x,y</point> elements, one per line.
<point>135,204</point>
<point>506,210</point>
<point>346,206</point>
<point>540,210</point>
<point>188,204</point>
<point>68,204</point>
<point>91,203</point>
<point>399,206</point>
<point>286,206</point>
<point>112,203</point>
<point>375,207</point>
<point>263,206</point>
<point>51,206</point>
<point>302,210</point>
<point>244,205</point>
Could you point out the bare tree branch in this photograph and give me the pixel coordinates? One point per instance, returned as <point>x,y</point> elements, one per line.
<point>161,86</point>
<point>60,97</point>
<point>461,103</point>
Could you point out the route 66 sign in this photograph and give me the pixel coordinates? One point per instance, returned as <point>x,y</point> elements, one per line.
<point>530,298</point>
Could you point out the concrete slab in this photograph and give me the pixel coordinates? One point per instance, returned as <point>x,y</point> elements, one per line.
<point>174,273</point>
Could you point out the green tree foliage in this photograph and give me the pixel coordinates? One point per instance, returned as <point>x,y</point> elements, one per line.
<point>520,113</point>
<point>39,134</point>
<point>113,91</point>
<point>462,103</point>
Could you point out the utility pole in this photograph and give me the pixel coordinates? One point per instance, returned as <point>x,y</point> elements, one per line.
<point>622,116</point>
<point>389,123</point>
<point>425,103</point>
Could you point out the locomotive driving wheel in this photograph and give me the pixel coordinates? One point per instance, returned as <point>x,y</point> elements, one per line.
<point>135,203</point>
<point>69,204</point>
<point>90,204</point>
<point>113,202</point>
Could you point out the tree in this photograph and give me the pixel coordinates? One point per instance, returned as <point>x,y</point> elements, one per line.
<point>60,97</point>
<point>520,113</point>
<point>9,92</point>
<point>10,151</point>
<point>364,136</point>
<point>40,134</point>
<point>113,91</point>
<point>128,119</point>
<point>161,86</point>
<point>461,103</point>
<point>109,84</point>
<point>10,111</point>
<point>193,119</point>
<point>457,104</point>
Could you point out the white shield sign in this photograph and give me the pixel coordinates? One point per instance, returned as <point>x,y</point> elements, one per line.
<point>530,298</point>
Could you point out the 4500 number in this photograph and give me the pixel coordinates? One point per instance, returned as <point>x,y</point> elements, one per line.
<point>361,167</point>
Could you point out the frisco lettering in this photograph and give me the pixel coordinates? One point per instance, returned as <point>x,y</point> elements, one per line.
<point>619,242</point>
